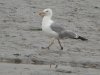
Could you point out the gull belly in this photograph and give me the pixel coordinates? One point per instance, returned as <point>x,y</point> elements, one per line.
<point>47,29</point>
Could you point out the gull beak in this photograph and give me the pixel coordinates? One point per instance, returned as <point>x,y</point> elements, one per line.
<point>42,14</point>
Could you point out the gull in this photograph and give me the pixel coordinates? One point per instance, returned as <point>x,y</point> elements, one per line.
<point>56,31</point>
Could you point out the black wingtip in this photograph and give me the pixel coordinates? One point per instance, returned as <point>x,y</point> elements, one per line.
<point>82,38</point>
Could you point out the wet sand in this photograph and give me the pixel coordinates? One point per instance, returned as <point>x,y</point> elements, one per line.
<point>21,38</point>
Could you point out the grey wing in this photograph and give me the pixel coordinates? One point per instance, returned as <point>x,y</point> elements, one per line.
<point>57,28</point>
<point>62,33</point>
<point>68,34</point>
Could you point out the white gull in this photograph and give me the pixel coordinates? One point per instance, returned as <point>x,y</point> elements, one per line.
<point>55,31</point>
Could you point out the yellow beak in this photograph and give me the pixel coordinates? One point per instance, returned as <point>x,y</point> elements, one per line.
<point>42,14</point>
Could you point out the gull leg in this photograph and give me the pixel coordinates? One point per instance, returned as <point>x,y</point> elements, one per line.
<point>56,66</point>
<point>51,43</point>
<point>50,65</point>
<point>60,44</point>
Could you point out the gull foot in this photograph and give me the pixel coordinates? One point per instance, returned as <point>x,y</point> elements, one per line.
<point>61,48</point>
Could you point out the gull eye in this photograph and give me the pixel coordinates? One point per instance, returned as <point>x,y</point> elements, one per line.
<point>46,11</point>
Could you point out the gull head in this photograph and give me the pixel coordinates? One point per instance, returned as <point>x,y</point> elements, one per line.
<point>46,12</point>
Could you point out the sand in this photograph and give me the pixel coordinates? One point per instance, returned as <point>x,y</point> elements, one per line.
<point>21,38</point>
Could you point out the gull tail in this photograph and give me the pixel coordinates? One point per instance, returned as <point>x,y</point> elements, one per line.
<point>82,38</point>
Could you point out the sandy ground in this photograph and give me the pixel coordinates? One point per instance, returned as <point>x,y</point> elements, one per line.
<point>21,41</point>
<point>26,69</point>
